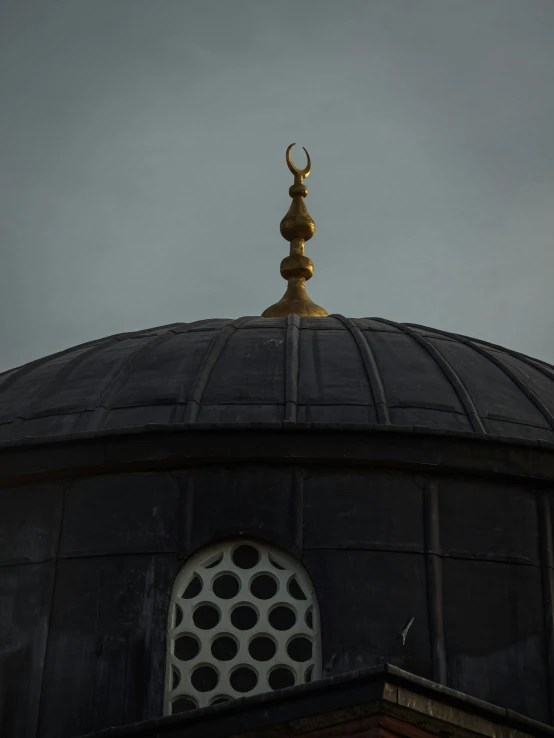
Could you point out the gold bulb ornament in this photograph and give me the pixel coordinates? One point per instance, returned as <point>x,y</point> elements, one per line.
<point>297,227</point>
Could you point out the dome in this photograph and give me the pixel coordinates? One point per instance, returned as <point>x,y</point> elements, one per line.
<point>166,544</point>
<point>324,370</point>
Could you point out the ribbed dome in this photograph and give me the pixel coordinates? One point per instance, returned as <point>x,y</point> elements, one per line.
<point>312,370</point>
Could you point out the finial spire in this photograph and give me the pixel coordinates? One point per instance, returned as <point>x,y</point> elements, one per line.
<point>297,227</point>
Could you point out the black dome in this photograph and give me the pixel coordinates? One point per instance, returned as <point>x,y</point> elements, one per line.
<point>334,370</point>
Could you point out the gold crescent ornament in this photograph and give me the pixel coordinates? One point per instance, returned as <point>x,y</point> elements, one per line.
<point>297,227</point>
<point>301,173</point>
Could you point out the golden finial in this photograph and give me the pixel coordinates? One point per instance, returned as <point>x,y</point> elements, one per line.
<point>297,227</point>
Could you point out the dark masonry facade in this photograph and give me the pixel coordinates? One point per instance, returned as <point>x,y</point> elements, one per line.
<point>408,473</point>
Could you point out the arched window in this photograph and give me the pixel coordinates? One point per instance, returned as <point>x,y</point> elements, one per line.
<point>243,620</point>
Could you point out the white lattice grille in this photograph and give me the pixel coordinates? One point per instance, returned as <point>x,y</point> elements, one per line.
<point>243,620</point>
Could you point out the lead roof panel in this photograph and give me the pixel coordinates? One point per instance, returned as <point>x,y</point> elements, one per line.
<point>250,369</point>
<point>166,374</point>
<point>332,369</point>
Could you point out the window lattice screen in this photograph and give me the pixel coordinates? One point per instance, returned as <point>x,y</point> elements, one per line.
<point>243,620</point>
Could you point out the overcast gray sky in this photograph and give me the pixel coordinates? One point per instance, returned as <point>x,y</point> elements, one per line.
<point>143,178</point>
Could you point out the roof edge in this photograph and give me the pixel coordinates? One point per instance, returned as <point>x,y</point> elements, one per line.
<point>288,426</point>
<point>176,448</point>
<point>386,684</point>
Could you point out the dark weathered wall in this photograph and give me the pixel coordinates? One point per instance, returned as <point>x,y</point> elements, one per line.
<point>87,566</point>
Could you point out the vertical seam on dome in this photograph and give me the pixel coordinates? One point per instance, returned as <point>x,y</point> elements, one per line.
<point>531,396</point>
<point>434,571</point>
<point>129,366</point>
<point>545,370</point>
<point>372,370</point>
<point>62,486</point>
<point>297,502</point>
<point>15,373</point>
<point>206,368</point>
<point>533,361</point>
<point>292,368</point>
<point>541,366</point>
<point>544,515</point>
<point>26,368</point>
<point>448,371</point>
<point>60,377</point>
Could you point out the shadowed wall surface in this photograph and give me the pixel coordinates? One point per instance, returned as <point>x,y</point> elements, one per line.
<point>88,564</point>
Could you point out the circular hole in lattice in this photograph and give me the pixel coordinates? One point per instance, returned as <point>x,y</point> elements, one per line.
<point>244,617</point>
<point>177,616</point>
<point>276,564</point>
<point>220,700</point>
<point>264,586</point>
<point>245,556</point>
<point>262,648</point>
<point>243,679</point>
<point>186,648</point>
<point>183,704</point>
<point>309,675</point>
<point>226,586</point>
<point>212,562</point>
<point>295,590</point>
<point>204,678</point>
<point>206,617</point>
<point>310,619</point>
<point>300,649</point>
<point>175,677</point>
<point>282,617</point>
<point>224,648</point>
<point>281,677</point>
<point>193,588</point>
